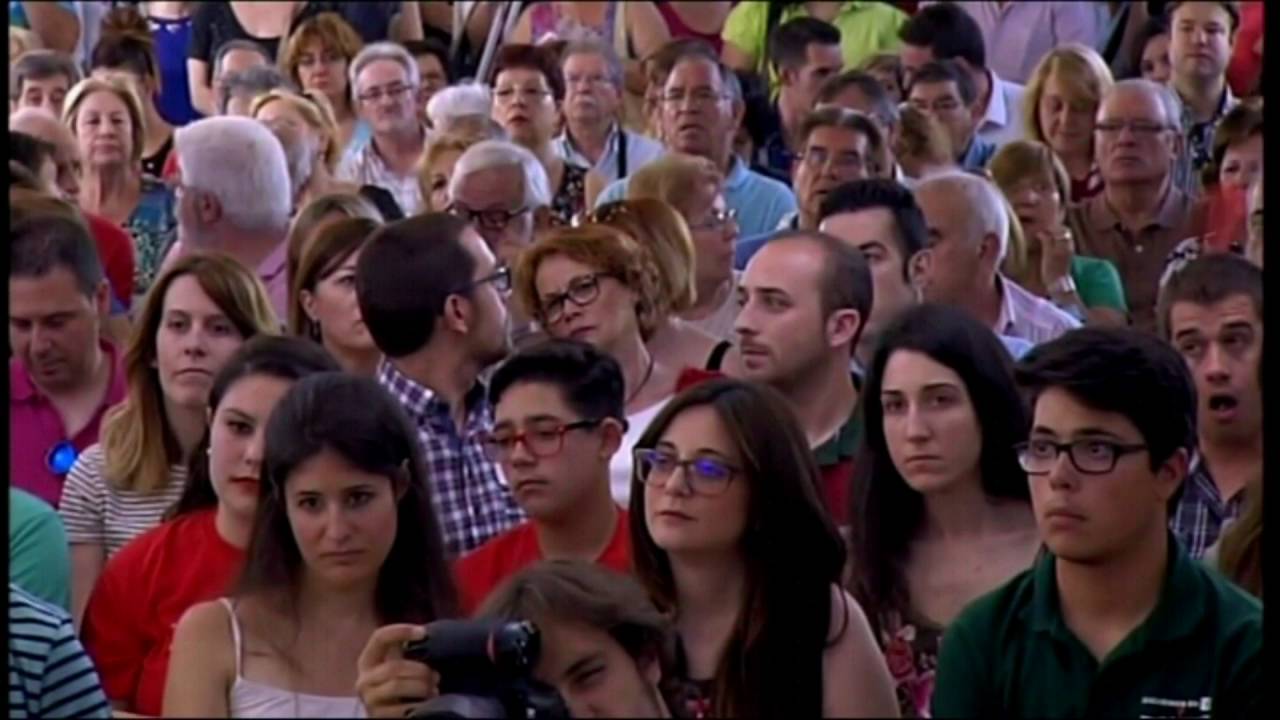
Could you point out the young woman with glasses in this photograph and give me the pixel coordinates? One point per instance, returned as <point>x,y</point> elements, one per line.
<point>731,538</point>
<point>942,509</point>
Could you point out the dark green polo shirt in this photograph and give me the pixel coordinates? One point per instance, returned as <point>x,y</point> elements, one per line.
<point>1198,655</point>
<point>835,461</point>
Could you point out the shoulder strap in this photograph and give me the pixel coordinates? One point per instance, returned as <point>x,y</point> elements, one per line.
<point>235,630</point>
<point>620,45</point>
<point>716,359</point>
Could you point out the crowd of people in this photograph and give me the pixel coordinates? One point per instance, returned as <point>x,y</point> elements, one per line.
<point>840,359</point>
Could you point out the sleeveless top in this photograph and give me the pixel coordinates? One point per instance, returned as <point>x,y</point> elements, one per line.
<point>679,29</point>
<point>251,699</point>
<point>911,650</point>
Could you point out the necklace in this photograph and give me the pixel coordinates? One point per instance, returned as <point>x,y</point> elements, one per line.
<point>648,372</point>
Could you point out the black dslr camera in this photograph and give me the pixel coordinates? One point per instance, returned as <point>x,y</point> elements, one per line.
<point>486,671</point>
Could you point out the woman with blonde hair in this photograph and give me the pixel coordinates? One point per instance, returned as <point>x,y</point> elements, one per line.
<point>316,58</point>
<point>922,147</point>
<point>442,152</point>
<point>198,314</point>
<point>315,215</point>
<point>1060,108</point>
<point>322,298</point>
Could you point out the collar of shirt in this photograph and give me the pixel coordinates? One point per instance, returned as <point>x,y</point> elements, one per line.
<point>1008,306</point>
<point>425,406</point>
<point>369,154</point>
<point>790,221</point>
<point>568,150</point>
<point>737,176</point>
<point>22,389</point>
<point>997,108</point>
<point>843,445</point>
<point>1168,215</point>
<point>1225,103</point>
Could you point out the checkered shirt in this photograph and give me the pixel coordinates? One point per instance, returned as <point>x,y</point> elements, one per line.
<point>1201,513</point>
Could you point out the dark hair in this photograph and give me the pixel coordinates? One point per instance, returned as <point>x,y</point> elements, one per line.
<point>236,44</point>
<point>658,64</point>
<point>126,44</point>
<point>882,106</point>
<point>253,81</point>
<point>593,46</point>
<point>589,380</point>
<point>946,71</point>
<point>434,48</point>
<point>582,592</point>
<point>858,195</point>
<point>530,57</point>
<point>1122,371</point>
<point>38,244</point>
<point>771,666</point>
<point>1207,280</point>
<point>836,116</point>
<point>846,280</point>
<point>1155,26</point>
<point>30,151</point>
<point>889,512</point>
<point>1232,9</point>
<point>948,31</point>
<point>40,64</point>
<point>356,419</point>
<point>407,271</point>
<point>286,358</point>
<point>323,256</point>
<point>789,42</point>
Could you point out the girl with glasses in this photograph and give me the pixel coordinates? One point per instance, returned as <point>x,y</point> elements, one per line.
<point>942,509</point>
<point>730,537</point>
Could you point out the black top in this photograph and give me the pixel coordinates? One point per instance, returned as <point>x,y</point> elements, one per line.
<point>214,23</point>
<point>384,201</point>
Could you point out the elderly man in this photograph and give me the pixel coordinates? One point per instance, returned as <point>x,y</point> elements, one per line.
<point>968,231</point>
<point>1141,214</point>
<point>240,88</point>
<point>234,57</point>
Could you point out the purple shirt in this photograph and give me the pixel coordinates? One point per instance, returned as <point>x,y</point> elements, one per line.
<point>35,427</point>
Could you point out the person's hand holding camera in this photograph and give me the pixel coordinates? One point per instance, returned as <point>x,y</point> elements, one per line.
<point>389,685</point>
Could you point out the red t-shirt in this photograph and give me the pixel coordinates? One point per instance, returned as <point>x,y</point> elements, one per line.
<point>115,252</point>
<point>141,595</point>
<point>483,569</point>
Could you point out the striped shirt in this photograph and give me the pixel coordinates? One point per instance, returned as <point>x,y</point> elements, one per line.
<point>50,676</point>
<point>97,513</point>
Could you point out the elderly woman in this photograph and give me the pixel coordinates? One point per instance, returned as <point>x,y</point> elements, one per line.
<point>442,153</point>
<point>1060,107</point>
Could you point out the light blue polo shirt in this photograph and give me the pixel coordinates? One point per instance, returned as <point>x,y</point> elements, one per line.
<point>760,202</point>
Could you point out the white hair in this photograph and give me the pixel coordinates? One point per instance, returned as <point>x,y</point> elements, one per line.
<point>987,212</point>
<point>1170,104</point>
<point>490,154</point>
<point>459,101</point>
<point>241,163</point>
<point>382,51</point>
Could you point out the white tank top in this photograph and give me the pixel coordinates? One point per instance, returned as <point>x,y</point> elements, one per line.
<point>251,699</point>
<point>620,465</point>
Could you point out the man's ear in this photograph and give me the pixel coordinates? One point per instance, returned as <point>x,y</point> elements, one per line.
<point>843,327</point>
<point>208,207</point>
<point>612,431</point>
<point>457,314</point>
<point>1172,473</point>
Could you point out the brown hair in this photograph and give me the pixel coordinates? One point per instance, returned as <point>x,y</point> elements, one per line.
<point>126,44</point>
<point>1207,280</point>
<point>116,86</point>
<point>1080,68</point>
<point>1013,162</point>
<point>308,219</point>
<point>836,116</point>
<point>326,252</point>
<point>664,235</point>
<point>315,110</point>
<point>530,57</point>
<point>684,182</point>
<point>1238,125</point>
<point>332,32</point>
<point>920,136</point>
<point>137,442</point>
<point>1240,550</point>
<point>462,134</point>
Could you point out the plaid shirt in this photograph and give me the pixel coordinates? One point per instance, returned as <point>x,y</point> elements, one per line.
<point>470,496</point>
<point>1201,513</point>
<point>1199,136</point>
<point>365,166</point>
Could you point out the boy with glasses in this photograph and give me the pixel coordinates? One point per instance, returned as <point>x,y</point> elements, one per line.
<point>558,420</point>
<point>1115,619</point>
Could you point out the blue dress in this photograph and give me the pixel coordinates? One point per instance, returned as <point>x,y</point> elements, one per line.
<point>174,99</point>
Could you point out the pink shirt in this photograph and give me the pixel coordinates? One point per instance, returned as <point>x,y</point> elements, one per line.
<point>274,272</point>
<point>35,427</point>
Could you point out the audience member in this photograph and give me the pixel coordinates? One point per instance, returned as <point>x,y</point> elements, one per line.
<point>316,58</point>
<point>737,598</point>
<point>968,230</point>
<point>459,102</point>
<point>440,158</point>
<point>49,673</point>
<point>859,90</point>
<point>432,58</point>
<point>62,374</point>
<point>502,190</point>
<point>42,79</point>
<point>938,487</point>
<point>39,562</point>
<point>922,147</point>
<point>345,539</point>
<point>195,318</point>
<point>1238,552</point>
<point>432,296</point>
<point>1253,247</point>
<point>196,554</point>
<point>127,50</point>
<point>240,89</point>
<point>887,69</point>
<point>1211,312</point>
<point>318,213</point>
<point>21,41</point>
<point>256,30</point>
<point>1200,44</point>
<point>805,297</point>
<point>1016,37</point>
<point>322,299</point>
<point>657,68</point>
<point>1120,405</point>
<point>804,52</point>
<point>232,58</point>
<point>1035,182</point>
<point>171,27</point>
<point>1141,214</point>
<point>1061,108</point>
<point>946,32</point>
<point>943,93</point>
<point>558,421</point>
<point>1152,44</point>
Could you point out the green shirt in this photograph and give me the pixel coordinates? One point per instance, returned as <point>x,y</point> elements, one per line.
<point>866,28</point>
<point>1010,653</point>
<point>39,560</point>
<point>1098,283</point>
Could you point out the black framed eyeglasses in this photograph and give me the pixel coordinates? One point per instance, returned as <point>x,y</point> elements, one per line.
<point>1089,457</point>
<point>703,475</point>
<point>61,458</point>
<point>582,291</point>
<point>501,279</point>
<point>495,220</point>
<point>541,442</point>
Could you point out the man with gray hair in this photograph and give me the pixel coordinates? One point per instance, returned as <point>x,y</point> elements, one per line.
<point>240,88</point>
<point>968,238</point>
<point>234,197</point>
<point>384,79</point>
<point>1141,213</point>
<point>233,57</point>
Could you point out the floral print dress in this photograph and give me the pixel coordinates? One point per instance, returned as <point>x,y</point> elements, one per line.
<point>911,649</point>
<point>153,226</point>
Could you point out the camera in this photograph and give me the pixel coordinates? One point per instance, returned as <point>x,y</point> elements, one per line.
<point>486,671</point>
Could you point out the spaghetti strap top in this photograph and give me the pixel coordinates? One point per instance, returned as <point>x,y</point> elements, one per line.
<point>716,358</point>
<point>251,699</point>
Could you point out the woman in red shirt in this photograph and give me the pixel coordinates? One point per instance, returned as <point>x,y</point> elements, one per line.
<point>198,551</point>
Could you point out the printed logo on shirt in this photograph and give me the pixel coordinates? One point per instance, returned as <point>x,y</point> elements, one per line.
<point>1154,707</point>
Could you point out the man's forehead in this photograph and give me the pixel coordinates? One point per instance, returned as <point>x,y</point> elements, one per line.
<point>382,70</point>
<point>490,186</point>
<point>1192,315</point>
<point>695,71</point>
<point>56,80</point>
<point>1132,103</point>
<point>786,264</point>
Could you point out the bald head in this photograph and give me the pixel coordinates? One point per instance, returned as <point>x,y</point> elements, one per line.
<point>39,124</point>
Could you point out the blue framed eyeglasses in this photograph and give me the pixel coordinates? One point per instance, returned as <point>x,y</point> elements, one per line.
<point>61,457</point>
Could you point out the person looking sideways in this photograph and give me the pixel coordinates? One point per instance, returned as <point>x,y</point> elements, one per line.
<point>240,89</point>
<point>942,91</point>
<point>1152,44</point>
<point>316,57</point>
<point>1111,439</point>
<point>695,188</point>
<point>49,675</point>
<point>345,540</point>
<point>1061,108</point>
<point>603,642</point>
<point>922,147</point>
<point>315,215</point>
<point>433,298</point>
<point>323,305</point>
<point>433,69</point>
<point>62,375</point>
<point>384,79</point>
<point>107,120</point>
<point>737,600</point>
<point>1141,213</point>
<point>42,79</point>
<point>968,231</point>
<point>597,285</point>
<point>440,157</point>
<point>39,562</point>
<point>941,419</point>
<point>804,298</point>
<point>195,318</point>
<point>1202,35</point>
<point>1035,183</point>
<point>701,108</point>
<point>860,91</point>
<point>197,552</point>
<point>502,190</point>
<point>125,48</point>
<point>1211,312</point>
<point>558,421</point>
<point>945,31</point>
